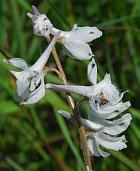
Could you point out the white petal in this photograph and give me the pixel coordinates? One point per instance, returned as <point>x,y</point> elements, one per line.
<point>103,153</point>
<point>92,147</point>
<point>92,72</point>
<point>17,62</point>
<point>109,111</point>
<point>16,74</point>
<point>22,90</point>
<point>92,124</point>
<point>23,84</point>
<point>99,150</point>
<point>120,97</point>
<point>125,118</point>
<point>113,143</point>
<point>85,34</point>
<point>118,126</point>
<point>83,90</point>
<point>107,78</point>
<point>78,49</point>
<point>34,97</point>
<point>113,95</point>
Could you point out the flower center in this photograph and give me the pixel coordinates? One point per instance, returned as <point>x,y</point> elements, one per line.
<point>102,99</point>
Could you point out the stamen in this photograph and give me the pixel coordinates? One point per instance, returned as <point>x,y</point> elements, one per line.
<point>103,99</point>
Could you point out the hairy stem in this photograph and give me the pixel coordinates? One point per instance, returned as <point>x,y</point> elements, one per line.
<point>81,129</point>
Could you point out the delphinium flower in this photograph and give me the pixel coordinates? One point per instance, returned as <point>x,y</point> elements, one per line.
<point>104,98</point>
<point>105,102</point>
<point>75,41</point>
<point>30,86</point>
<point>102,132</point>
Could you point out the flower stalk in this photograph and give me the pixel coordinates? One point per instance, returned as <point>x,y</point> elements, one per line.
<point>83,140</point>
<point>63,76</point>
<point>81,129</point>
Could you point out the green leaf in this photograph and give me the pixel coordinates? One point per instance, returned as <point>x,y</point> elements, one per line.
<point>135,113</point>
<point>125,160</point>
<point>66,134</point>
<point>8,107</point>
<point>14,165</point>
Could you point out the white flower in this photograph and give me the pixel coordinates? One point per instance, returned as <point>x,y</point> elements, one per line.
<point>104,98</point>
<point>30,81</point>
<point>103,132</point>
<point>105,104</point>
<point>75,41</point>
<point>106,141</point>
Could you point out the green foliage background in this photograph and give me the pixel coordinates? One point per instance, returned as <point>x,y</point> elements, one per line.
<point>36,138</point>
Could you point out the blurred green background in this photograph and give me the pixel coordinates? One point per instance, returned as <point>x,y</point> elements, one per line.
<point>37,138</point>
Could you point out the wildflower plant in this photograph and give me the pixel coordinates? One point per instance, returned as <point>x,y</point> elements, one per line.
<point>104,124</point>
